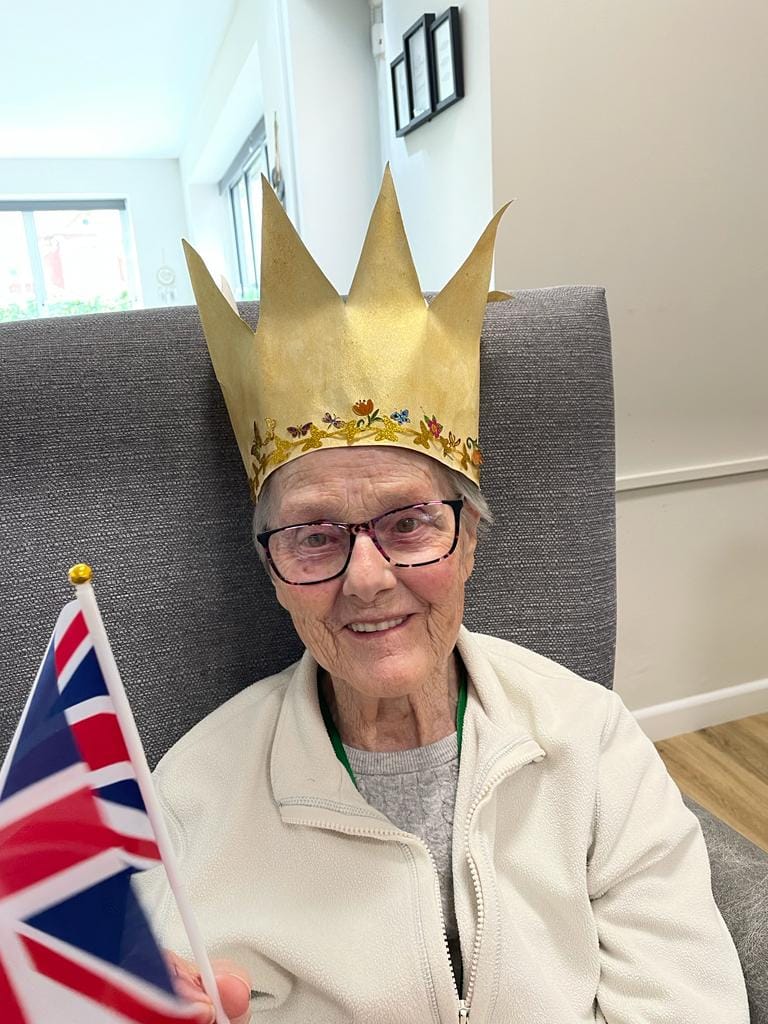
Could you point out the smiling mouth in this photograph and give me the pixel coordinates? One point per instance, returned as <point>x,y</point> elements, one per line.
<point>376,627</point>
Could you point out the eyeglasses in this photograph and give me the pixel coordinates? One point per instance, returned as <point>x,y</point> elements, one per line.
<point>406,537</point>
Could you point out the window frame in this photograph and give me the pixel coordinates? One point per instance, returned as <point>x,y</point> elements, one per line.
<point>240,174</point>
<point>28,207</point>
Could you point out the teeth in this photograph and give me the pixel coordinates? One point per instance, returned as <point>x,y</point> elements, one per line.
<point>374,627</point>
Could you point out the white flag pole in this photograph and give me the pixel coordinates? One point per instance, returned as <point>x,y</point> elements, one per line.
<point>80,576</point>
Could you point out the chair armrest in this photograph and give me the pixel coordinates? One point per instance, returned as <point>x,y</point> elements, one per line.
<point>740,887</point>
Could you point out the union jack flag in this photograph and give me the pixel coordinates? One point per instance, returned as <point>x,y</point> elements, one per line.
<point>75,946</point>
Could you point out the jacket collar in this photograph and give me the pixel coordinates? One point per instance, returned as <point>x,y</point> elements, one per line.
<point>309,782</point>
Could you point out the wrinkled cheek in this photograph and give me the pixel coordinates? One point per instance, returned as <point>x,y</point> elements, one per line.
<point>318,638</point>
<point>447,595</point>
<point>445,623</point>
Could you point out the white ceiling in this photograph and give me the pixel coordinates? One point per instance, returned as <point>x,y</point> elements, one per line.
<point>91,79</point>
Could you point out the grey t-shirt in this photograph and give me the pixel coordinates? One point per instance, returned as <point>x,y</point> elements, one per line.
<point>416,790</point>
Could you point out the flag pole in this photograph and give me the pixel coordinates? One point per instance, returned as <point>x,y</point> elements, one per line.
<point>80,577</point>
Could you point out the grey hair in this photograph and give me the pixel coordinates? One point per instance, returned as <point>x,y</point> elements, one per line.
<point>451,479</point>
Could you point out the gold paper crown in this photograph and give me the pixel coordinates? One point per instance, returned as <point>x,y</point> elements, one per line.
<point>382,368</point>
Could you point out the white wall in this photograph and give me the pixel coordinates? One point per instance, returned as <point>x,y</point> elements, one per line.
<point>335,129</point>
<point>333,102</point>
<point>630,134</point>
<point>442,169</point>
<point>152,190</point>
<point>309,62</point>
<point>229,109</point>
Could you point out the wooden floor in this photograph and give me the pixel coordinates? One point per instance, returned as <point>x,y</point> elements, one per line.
<point>725,769</point>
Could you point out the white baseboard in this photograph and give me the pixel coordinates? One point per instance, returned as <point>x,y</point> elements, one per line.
<point>703,709</point>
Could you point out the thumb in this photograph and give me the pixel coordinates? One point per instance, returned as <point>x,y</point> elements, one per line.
<point>235,991</point>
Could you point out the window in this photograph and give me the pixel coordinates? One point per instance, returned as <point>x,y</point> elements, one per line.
<point>61,257</point>
<point>242,185</point>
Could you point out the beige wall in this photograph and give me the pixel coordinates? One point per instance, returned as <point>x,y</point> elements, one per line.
<point>632,135</point>
<point>693,574</point>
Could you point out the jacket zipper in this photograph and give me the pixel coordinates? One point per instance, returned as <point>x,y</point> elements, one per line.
<point>438,894</point>
<point>494,780</point>
<point>462,1003</point>
<point>463,1008</point>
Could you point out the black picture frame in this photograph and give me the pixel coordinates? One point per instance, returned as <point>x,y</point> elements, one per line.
<point>401,103</point>
<point>450,23</point>
<point>421,107</point>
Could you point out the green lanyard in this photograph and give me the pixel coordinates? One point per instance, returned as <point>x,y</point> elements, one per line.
<point>338,746</point>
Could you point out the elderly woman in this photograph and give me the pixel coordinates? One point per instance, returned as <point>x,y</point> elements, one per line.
<point>415,822</point>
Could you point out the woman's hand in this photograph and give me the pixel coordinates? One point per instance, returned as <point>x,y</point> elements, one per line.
<point>232,980</point>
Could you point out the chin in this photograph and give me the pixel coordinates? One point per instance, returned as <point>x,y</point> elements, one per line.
<point>391,676</point>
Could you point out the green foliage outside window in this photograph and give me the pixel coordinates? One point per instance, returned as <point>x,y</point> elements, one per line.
<point>74,307</point>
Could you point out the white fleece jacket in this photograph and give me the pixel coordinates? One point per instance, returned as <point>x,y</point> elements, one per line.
<point>582,882</point>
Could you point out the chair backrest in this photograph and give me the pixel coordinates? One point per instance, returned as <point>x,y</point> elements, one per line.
<point>117,450</point>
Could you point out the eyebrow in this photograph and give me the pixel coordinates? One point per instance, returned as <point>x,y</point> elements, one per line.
<point>308,512</point>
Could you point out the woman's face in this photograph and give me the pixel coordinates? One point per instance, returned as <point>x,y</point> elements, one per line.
<point>352,486</point>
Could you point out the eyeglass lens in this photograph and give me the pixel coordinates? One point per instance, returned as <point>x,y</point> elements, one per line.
<point>410,536</point>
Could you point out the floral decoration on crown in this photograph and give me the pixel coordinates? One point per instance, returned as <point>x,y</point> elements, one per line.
<point>368,425</point>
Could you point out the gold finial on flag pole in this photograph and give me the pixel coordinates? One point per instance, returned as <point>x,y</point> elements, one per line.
<point>80,573</point>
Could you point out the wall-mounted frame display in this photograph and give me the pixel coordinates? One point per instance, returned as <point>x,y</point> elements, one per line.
<point>400,100</point>
<point>448,70</point>
<point>418,68</point>
<point>428,75</point>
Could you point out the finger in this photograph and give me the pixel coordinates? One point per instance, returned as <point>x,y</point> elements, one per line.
<point>234,984</point>
<point>192,994</point>
<point>232,980</point>
<point>178,967</point>
<point>235,994</point>
<point>187,985</point>
<point>188,989</point>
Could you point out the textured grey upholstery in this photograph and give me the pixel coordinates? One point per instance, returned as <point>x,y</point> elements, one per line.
<point>116,450</point>
<point>740,888</point>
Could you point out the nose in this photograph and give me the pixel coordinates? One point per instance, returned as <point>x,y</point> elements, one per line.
<point>368,572</point>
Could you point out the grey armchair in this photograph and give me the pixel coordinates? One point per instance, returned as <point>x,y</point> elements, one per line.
<point>116,450</point>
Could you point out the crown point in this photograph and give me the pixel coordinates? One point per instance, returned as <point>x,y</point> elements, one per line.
<point>80,573</point>
<point>385,278</point>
